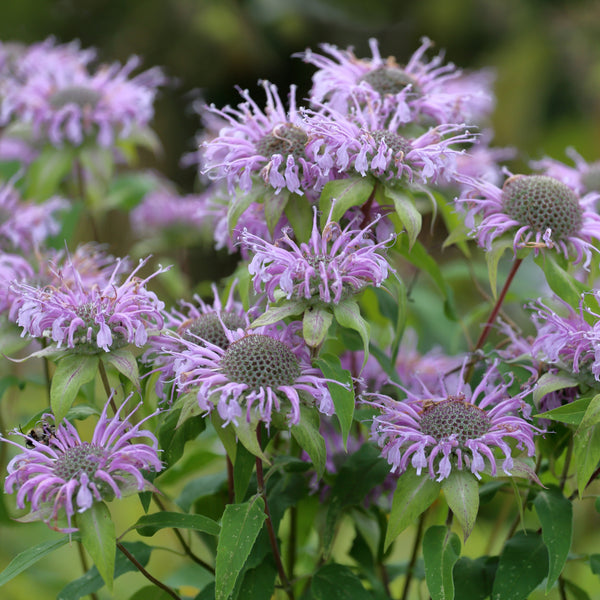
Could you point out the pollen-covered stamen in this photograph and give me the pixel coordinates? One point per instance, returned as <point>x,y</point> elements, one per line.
<point>389,80</point>
<point>77,460</point>
<point>75,94</point>
<point>542,203</point>
<point>208,327</point>
<point>397,143</point>
<point>260,361</point>
<point>454,416</point>
<point>285,139</point>
<point>591,178</point>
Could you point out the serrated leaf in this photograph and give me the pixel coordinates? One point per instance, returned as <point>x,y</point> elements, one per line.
<point>461,491</point>
<point>413,496</point>
<point>555,513</point>
<point>337,582</point>
<point>354,191</point>
<point>347,314</point>
<point>586,444</point>
<point>407,212</point>
<point>124,361</point>
<point>306,433</point>
<point>97,532</point>
<point>72,371</point>
<point>240,527</point>
<point>522,567</point>
<point>315,325</point>
<point>441,549</point>
<point>274,314</point>
<point>571,413</point>
<point>148,525</point>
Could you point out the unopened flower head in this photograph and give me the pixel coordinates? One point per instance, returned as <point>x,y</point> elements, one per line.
<point>456,429</point>
<point>584,177</point>
<point>60,474</point>
<point>269,143</point>
<point>262,371</point>
<point>419,90</point>
<point>542,211</point>
<point>92,318</point>
<point>334,264</point>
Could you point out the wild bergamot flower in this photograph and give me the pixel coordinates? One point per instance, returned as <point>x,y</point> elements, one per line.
<point>584,177</point>
<point>454,429</point>
<point>543,211</point>
<point>262,370</point>
<point>63,474</point>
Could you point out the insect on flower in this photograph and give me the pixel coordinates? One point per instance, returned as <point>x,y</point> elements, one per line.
<point>42,433</point>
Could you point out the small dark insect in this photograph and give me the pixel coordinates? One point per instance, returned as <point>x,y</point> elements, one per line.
<point>41,433</point>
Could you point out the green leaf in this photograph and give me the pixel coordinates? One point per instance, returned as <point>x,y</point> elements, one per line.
<point>347,314</point>
<point>473,579</point>
<point>29,557</point>
<point>342,393</point>
<point>172,439</point>
<point>575,592</point>
<point>226,434</point>
<point>274,204</point>
<point>354,191</point>
<point>306,433</point>
<point>148,525</point>
<point>407,212</point>
<point>124,361</point>
<point>72,371</point>
<point>413,496</point>
<point>242,471</point>
<point>258,583</point>
<point>337,582</point>
<point>201,487</point>
<point>563,284</point>
<point>595,561</point>
<point>586,444</point>
<point>555,513</point>
<point>550,382</point>
<point>239,203</point>
<point>300,215</point>
<point>462,495</point>
<point>246,434</point>
<point>441,549</point>
<point>274,314</point>
<point>98,537</point>
<point>571,413</point>
<point>315,325</point>
<point>47,171</point>
<point>240,527</point>
<point>522,567</point>
<point>492,258</point>
<point>127,190</point>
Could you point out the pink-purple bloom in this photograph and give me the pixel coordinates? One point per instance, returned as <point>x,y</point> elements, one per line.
<point>333,265</point>
<point>584,177</point>
<point>59,474</point>
<point>88,317</point>
<point>454,428</point>
<point>13,269</point>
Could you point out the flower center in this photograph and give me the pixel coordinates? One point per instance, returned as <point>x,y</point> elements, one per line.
<point>85,458</point>
<point>260,361</point>
<point>454,416</point>
<point>285,139</point>
<point>389,80</point>
<point>86,344</point>
<point>75,94</point>
<point>591,178</point>
<point>208,327</point>
<point>396,143</point>
<point>542,202</point>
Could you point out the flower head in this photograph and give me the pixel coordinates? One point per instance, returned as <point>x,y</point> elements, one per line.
<point>263,370</point>
<point>13,268</point>
<point>334,264</point>
<point>59,473</point>
<point>90,318</point>
<point>584,177</point>
<point>544,211</point>
<point>456,429</point>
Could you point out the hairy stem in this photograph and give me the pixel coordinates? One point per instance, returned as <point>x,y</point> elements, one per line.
<point>413,557</point>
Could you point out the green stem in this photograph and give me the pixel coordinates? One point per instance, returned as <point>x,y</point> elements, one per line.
<point>230,483</point>
<point>80,180</point>
<point>413,557</point>
<point>565,469</point>
<point>106,384</point>
<point>47,378</point>
<point>84,565</point>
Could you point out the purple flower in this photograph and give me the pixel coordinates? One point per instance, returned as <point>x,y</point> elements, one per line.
<point>26,225</point>
<point>90,318</point>
<point>64,101</point>
<point>13,269</point>
<point>264,369</point>
<point>584,177</point>
<point>333,265</point>
<point>543,212</point>
<point>417,91</point>
<point>454,429</point>
<point>61,474</point>
<point>270,143</point>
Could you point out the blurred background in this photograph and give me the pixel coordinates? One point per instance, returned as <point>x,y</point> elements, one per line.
<point>545,54</point>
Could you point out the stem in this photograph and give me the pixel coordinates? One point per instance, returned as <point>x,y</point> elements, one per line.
<point>291,557</point>
<point>561,588</point>
<point>106,384</point>
<point>84,566</point>
<point>515,524</point>
<point>271,531</point>
<point>46,370</point>
<point>145,573</point>
<point>230,484</point>
<point>413,557</point>
<point>565,470</point>
<point>80,180</point>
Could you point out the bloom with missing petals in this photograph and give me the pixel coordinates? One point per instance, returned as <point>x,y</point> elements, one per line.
<point>263,370</point>
<point>62,474</point>
<point>455,429</point>
<point>584,177</point>
<point>333,265</point>
<point>542,211</point>
<point>88,317</point>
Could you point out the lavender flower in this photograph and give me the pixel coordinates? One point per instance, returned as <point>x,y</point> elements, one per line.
<point>583,178</point>
<point>419,90</point>
<point>455,429</point>
<point>90,318</point>
<point>333,264</point>
<point>270,143</point>
<point>63,474</point>
<point>264,369</point>
<point>544,211</point>
<point>13,268</point>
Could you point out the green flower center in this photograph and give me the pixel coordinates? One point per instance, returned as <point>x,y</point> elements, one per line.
<point>397,143</point>
<point>543,202</point>
<point>87,312</point>
<point>389,80</point>
<point>85,458</point>
<point>454,416</point>
<point>591,178</point>
<point>75,94</point>
<point>208,327</point>
<point>260,361</point>
<point>285,139</point>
